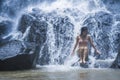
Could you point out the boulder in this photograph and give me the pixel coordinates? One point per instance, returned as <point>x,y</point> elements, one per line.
<point>23,52</point>
<point>37,32</point>
<point>5,29</point>
<point>116,63</point>
<point>99,26</point>
<point>14,56</point>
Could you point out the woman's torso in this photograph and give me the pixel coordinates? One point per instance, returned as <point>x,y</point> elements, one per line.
<point>83,41</point>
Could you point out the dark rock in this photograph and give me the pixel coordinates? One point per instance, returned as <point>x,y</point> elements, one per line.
<point>10,49</point>
<point>36,34</point>
<point>25,21</point>
<point>116,63</point>
<point>13,56</point>
<point>5,27</point>
<point>18,62</point>
<point>24,54</point>
<point>84,65</point>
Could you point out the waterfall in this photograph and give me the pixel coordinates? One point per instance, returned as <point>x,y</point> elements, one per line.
<point>51,43</point>
<point>64,20</point>
<point>77,12</point>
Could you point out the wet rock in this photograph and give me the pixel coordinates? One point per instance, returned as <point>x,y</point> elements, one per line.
<point>18,62</point>
<point>117,17</point>
<point>104,18</point>
<point>24,53</point>
<point>112,5</point>
<point>103,63</point>
<point>5,29</point>
<point>14,56</point>
<point>11,8</point>
<point>63,30</point>
<point>37,31</point>
<point>99,26</point>
<point>116,63</point>
<point>62,33</point>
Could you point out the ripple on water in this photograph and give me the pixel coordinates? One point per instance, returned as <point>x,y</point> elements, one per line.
<point>62,73</point>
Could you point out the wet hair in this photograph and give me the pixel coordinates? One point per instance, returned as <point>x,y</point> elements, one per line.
<point>84,29</point>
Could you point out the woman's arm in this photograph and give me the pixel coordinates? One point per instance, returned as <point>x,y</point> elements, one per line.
<point>91,42</point>
<point>77,40</point>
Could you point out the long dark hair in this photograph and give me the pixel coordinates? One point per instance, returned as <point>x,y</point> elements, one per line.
<point>83,29</point>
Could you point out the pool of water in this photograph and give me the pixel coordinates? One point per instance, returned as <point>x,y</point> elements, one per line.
<point>62,73</point>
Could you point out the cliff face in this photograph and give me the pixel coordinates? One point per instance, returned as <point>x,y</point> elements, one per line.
<point>114,8</point>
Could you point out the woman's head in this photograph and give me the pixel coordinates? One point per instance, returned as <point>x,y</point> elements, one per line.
<point>84,31</point>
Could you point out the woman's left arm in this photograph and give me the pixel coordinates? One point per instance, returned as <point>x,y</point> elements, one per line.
<point>91,42</point>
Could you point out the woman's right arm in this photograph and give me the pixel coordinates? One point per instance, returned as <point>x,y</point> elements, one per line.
<point>77,40</point>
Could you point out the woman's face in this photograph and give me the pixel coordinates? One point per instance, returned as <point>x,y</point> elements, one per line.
<point>85,32</point>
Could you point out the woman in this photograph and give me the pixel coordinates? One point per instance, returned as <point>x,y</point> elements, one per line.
<point>82,41</point>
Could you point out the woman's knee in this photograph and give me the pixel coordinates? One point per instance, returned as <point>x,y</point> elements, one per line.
<point>86,51</point>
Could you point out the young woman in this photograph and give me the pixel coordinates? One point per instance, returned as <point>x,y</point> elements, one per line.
<point>82,42</point>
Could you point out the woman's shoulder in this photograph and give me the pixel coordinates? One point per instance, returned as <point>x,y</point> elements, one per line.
<point>89,36</point>
<point>78,37</point>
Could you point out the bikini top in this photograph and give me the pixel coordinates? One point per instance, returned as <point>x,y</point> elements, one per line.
<point>83,40</point>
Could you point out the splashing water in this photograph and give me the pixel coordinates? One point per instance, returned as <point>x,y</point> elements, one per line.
<point>65,19</point>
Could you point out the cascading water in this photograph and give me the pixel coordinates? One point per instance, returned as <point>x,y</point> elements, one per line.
<point>60,54</point>
<point>64,19</point>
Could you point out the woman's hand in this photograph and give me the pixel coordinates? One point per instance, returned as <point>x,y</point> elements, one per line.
<point>72,53</point>
<point>98,52</point>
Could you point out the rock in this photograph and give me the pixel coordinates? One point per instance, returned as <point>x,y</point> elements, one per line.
<point>13,56</point>
<point>99,26</point>
<point>13,8</point>
<point>116,63</point>
<point>63,30</point>
<point>58,27</point>
<point>103,63</point>
<point>23,52</point>
<point>116,37</point>
<point>5,29</point>
<point>18,62</point>
<point>36,34</point>
<point>104,18</point>
<point>10,49</point>
<point>117,17</point>
<point>25,21</point>
<point>112,5</point>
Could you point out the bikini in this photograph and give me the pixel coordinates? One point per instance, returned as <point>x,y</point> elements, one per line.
<point>82,47</point>
<point>83,41</point>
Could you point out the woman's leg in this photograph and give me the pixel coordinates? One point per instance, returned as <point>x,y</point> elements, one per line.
<point>85,55</point>
<point>80,52</point>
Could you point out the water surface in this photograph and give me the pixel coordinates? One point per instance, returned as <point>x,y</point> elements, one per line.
<point>62,73</point>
